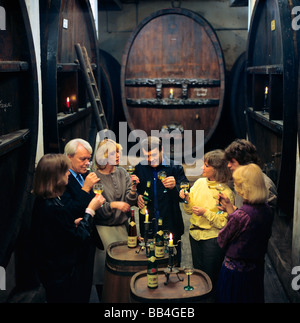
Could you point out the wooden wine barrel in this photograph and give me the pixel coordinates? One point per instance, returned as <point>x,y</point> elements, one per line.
<point>65,23</point>
<point>121,264</point>
<point>18,122</point>
<point>173,50</point>
<point>272,93</point>
<point>237,99</point>
<point>110,70</point>
<point>173,291</point>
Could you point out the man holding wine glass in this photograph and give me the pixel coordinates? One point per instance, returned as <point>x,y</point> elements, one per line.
<point>163,194</point>
<point>77,197</point>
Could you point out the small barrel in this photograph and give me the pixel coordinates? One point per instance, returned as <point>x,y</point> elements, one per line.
<point>172,291</point>
<point>121,264</point>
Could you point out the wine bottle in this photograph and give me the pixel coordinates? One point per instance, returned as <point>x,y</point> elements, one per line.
<point>159,240</point>
<point>152,271</point>
<point>132,233</point>
<point>146,198</point>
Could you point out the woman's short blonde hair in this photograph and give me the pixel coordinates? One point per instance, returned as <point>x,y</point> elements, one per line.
<point>49,175</point>
<point>106,147</point>
<point>249,183</point>
<point>216,159</point>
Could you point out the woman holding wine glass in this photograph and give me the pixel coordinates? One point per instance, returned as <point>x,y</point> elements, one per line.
<point>202,204</point>
<point>119,190</point>
<point>59,234</point>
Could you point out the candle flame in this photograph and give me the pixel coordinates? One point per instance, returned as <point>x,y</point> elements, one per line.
<point>266,90</point>
<point>171,236</point>
<point>68,102</point>
<point>171,91</point>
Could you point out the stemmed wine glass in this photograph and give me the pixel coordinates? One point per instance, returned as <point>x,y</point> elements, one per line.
<point>188,269</point>
<point>220,188</point>
<point>162,175</point>
<point>130,169</point>
<point>98,188</point>
<point>90,167</point>
<point>184,186</point>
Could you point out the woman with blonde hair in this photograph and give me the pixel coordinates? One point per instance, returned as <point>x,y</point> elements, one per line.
<point>206,219</point>
<point>245,240</point>
<point>120,193</point>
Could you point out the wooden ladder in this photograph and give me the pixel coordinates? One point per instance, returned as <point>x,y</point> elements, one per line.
<point>93,92</point>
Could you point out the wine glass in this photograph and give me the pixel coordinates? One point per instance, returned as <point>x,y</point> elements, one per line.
<point>90,167</point>
<point>98,188</point>
<point>166,240</point>
<point>220,188</point>
<point>188,269</point>
<point>184,186</point>
<point>130,169</point>
<point>162,175</point>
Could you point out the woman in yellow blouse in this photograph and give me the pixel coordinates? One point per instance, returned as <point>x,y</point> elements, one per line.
<point>207,220</point>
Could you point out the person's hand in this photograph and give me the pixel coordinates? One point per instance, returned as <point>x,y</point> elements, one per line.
<point>134,181</point>
<point>197,210</point>
<point>89,181</point>
<point>77,221</point>
<point>226,205</point>
<point>140,201</point>
<point>185,195</point>
<point>123,206</point>
<point>96,202</point>
<point>169,182</point>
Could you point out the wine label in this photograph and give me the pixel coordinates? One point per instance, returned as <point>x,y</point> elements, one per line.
<point>152,259</point>
<point>132,242</point>
<point>152,281</point>
<point>132,223</point>
<point>159,251</point>
<point>160,232</point>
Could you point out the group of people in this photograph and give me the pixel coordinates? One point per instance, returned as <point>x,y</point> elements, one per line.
<point>72,227</point>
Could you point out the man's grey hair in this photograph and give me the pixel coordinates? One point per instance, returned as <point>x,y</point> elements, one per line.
<point>71,146</point>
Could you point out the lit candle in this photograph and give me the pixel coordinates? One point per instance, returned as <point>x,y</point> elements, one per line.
<point>266,90</point>
<point>171,240</point>
<point>171,93</point>
<point>147,216</point>
<point>68,102</point>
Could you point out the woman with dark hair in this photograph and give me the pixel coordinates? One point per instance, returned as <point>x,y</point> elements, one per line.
<point>206,219</point>
<point>57,235</point>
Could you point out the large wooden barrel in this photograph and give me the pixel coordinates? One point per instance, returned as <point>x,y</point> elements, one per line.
<point>173,291</point>
<point>173,50</point>
<point>110,70</point>
<point>121,264</point>
<point>18,122</point>
<point>65,23</point>
<point>272,93</point>
<point>237,96</point>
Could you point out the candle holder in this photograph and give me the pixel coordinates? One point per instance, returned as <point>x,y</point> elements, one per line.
<point>144,244</point>
<point>171,268</point>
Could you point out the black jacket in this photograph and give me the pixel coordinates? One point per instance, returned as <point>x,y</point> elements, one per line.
<point>168,203</point>
<point>59,244</point>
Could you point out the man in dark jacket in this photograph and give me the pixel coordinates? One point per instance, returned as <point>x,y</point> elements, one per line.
<point>77,196</point>
<point>161,204</point>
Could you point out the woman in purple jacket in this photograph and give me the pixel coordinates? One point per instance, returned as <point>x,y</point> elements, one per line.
<point>245,240</point>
